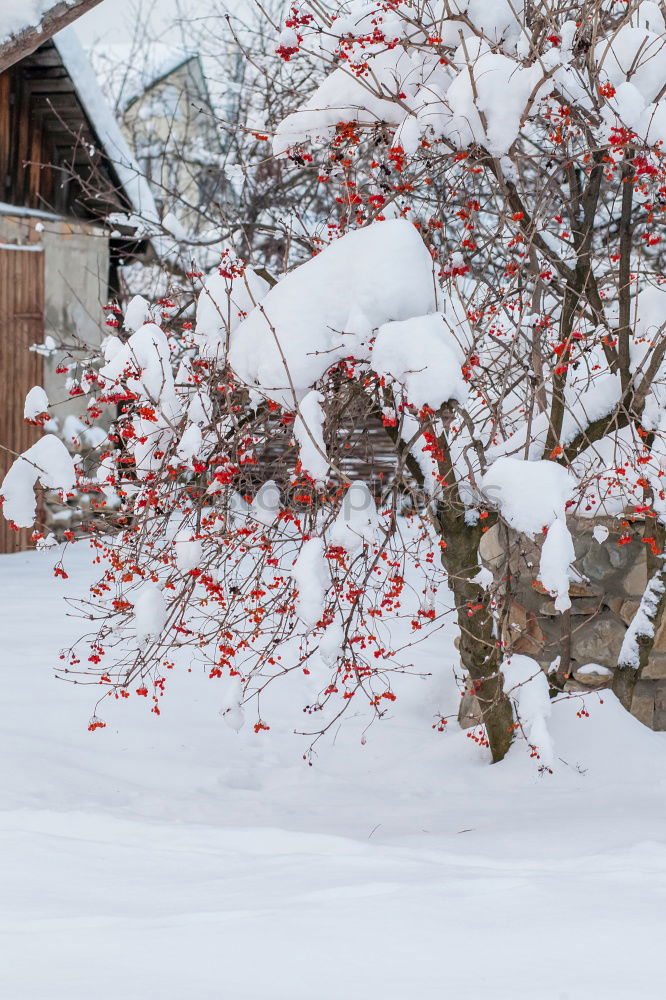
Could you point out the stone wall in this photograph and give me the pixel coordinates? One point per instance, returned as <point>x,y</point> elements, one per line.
<point>604,599</point>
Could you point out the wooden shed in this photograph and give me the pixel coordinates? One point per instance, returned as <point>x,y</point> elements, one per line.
<point>64,167</point>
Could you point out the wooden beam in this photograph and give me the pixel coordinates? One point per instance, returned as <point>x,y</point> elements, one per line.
<point>59,16</point>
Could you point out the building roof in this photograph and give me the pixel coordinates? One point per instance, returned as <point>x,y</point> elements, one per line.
<point>105,126</point>
<point>35,33</point>
<point>157,73</point>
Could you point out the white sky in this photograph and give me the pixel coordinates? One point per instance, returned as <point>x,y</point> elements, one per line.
<point>114,21</point>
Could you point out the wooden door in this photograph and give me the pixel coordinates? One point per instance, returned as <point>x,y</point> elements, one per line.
<point>21,325</point>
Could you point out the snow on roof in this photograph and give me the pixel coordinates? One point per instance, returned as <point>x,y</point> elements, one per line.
<point>17,15</point>
<point>174,62</point>
<point>20,211</point>
<point>27,24</point>
<point>103,121</point>
<point>128,71</point>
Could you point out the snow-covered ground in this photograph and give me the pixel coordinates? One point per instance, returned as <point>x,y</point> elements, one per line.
<point>171,858</point>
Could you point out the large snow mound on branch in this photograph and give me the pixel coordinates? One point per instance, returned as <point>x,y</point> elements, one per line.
<point>47,462</point>
<point>488,98</point>
<point>423,355</point>
<point>328,308</point>
<point>191,850</point>
<point>309,432</point>
<point>557,555</point>
<point>499,20</point>
<point>529,495</point>
<point>36,403</point>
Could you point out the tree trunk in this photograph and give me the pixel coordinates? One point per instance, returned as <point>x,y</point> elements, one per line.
<point>624,683</point>
<point>480,651</point>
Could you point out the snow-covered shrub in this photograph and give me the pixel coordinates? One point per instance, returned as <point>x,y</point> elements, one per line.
<point>488,285</point>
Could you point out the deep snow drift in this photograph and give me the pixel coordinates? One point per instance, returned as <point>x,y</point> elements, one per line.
<point>173,858</point>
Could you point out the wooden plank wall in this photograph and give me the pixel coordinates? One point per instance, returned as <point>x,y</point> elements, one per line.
<point>21,325</point>
<point>26,177</point>
<point>50,158</point>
